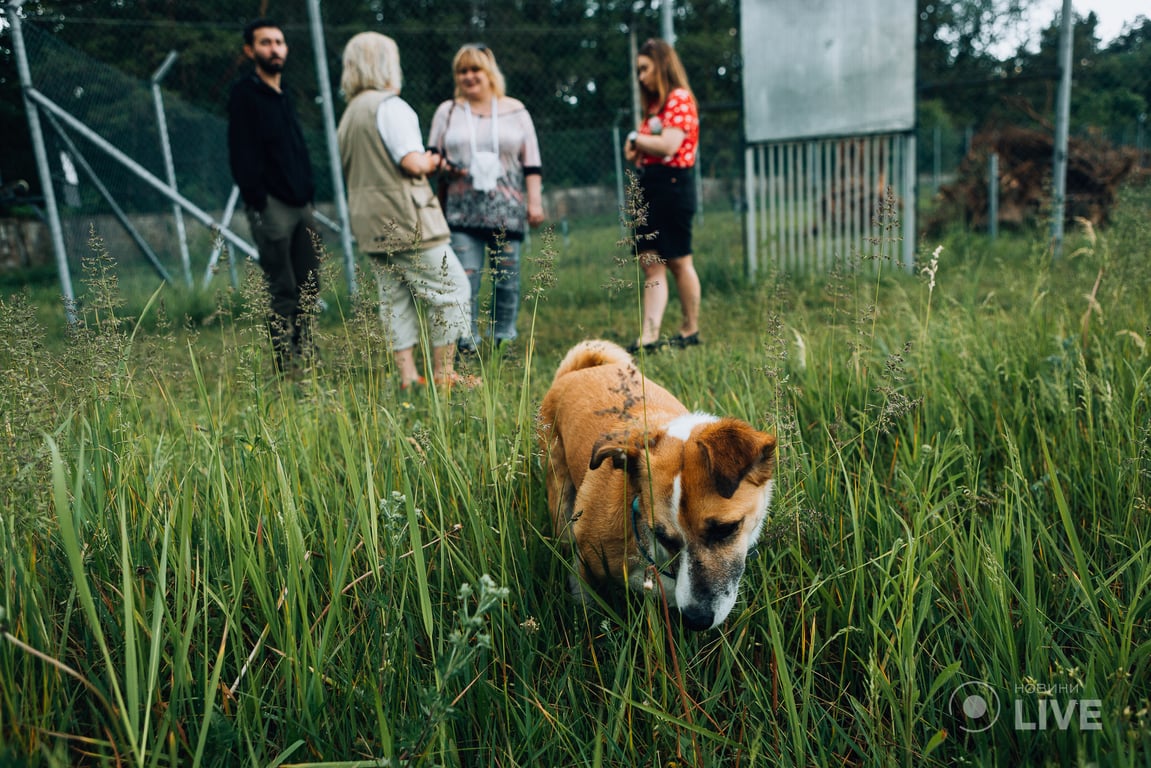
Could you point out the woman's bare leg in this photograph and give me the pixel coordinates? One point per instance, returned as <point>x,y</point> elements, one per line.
<point>655,296</point>
<point>687,284</point>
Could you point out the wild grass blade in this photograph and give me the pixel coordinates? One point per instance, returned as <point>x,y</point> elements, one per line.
<point>70,523</point>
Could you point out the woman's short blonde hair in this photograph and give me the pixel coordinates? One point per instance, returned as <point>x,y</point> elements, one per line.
<point>371,63</point>
<point>479,55</point>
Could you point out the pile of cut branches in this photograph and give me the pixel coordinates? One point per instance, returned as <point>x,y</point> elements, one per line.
<point>1095,171</point>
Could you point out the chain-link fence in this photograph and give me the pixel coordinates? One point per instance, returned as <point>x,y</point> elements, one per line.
<point>574,72</point>
<point>96,193</point>
<point>186,93</point>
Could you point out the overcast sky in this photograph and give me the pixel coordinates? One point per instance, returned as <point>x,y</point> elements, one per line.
<point>1112,14</point>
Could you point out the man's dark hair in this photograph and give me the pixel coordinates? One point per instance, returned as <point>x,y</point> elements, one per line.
<point>251,27</point>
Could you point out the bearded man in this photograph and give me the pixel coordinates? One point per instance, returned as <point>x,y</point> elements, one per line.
<point>270,165</point>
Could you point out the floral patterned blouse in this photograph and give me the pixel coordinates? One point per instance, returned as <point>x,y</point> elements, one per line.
<point>679,111</point>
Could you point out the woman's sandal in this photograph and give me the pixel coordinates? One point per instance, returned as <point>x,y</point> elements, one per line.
<point>681,341</point>
<point>456,379</point>
<point>416,385</point>
<point>651,346</point>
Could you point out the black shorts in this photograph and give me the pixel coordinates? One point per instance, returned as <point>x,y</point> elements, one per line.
<point>670,197</point>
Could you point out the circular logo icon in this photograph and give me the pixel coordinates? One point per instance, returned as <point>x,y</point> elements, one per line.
<point>975,705</point>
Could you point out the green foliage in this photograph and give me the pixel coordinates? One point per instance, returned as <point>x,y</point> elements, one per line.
<point>204,564</point>
<point>568,60</point>
<point>962,67</point>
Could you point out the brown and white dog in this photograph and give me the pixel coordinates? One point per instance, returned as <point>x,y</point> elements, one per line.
<point>639,484</point>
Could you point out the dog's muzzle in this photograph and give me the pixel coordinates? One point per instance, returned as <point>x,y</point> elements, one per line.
<point>697,618</point>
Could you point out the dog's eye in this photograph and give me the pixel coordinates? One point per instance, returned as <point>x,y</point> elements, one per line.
<point>717,533</point>
<point>671,545</point>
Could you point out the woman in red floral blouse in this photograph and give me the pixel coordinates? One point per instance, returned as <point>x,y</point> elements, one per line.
<point>663,147</point>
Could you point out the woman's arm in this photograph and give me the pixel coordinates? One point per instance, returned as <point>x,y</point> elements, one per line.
<point>530,160</point>
<point>420,163</point>
<point>665,144</point>
<point>534,184</point>
<point>399,129</point>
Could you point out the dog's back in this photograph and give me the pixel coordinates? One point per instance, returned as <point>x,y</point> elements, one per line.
<point>580,406</point>
<point>598,391</point>
<point>597,395</point>
<point>588,354</point>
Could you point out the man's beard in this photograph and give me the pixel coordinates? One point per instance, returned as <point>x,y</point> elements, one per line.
<point>269,66</point>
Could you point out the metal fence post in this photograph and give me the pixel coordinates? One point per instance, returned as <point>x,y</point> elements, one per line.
<point>936,160</point>
<point>617,150</point>
<point>214,258</point>
<point>993,195</point>
<point>751,210</point>
<point>321,52</point>
<point>1140,135</point>
<point>1062,119</point>
<point>667,21</point>
<point>909,201</point>
<point>42,167</point>
<point>169,164</point>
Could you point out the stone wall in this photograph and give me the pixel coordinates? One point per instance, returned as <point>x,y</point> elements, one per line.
<point>24,243</point>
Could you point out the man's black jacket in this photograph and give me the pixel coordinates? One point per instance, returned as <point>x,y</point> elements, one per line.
<point>266,148</point>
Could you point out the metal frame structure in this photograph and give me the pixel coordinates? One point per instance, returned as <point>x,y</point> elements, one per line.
<point>51,209</point>
<point>815,202</point>
<point>829,119</point>
<point>61,121</point>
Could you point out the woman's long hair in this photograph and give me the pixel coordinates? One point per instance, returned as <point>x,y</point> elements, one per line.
<point>669,73</point>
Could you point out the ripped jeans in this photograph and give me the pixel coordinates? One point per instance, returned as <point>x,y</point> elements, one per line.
<point>474,254</point>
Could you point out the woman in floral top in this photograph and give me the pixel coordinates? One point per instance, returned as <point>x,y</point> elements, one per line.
<point>496,194</point>
<point>663,147</point>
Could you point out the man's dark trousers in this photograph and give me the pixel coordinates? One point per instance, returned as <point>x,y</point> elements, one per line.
<point>286,238</point>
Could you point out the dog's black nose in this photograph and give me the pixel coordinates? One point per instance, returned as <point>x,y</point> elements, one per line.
<point>697,618</point>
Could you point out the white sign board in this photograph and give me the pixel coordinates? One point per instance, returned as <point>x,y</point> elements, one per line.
<point>820,68</point>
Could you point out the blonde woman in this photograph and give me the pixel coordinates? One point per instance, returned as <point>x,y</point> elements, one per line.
<point>394,212</point>
<point>663,146</point>
<point>495,196</point>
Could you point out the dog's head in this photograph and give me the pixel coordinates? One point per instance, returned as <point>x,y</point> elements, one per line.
<point>703,486</point>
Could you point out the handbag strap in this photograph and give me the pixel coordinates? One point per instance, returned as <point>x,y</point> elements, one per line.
<point>447,127</point>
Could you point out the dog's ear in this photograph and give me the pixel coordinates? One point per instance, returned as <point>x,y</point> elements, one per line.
<point>735,452</point>
<point>624,450</point>
<point>605,449</point>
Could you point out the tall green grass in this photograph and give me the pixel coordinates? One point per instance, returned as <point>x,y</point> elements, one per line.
<point>206,565</point>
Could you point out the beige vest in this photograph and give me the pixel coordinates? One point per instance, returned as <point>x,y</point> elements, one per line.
<point>390,211</point>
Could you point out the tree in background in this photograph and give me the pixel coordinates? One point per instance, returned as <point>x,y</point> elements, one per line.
<point>569,61</point>
<point>1112,85</point>
<point>968,79</point>
<point>956,64</point>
